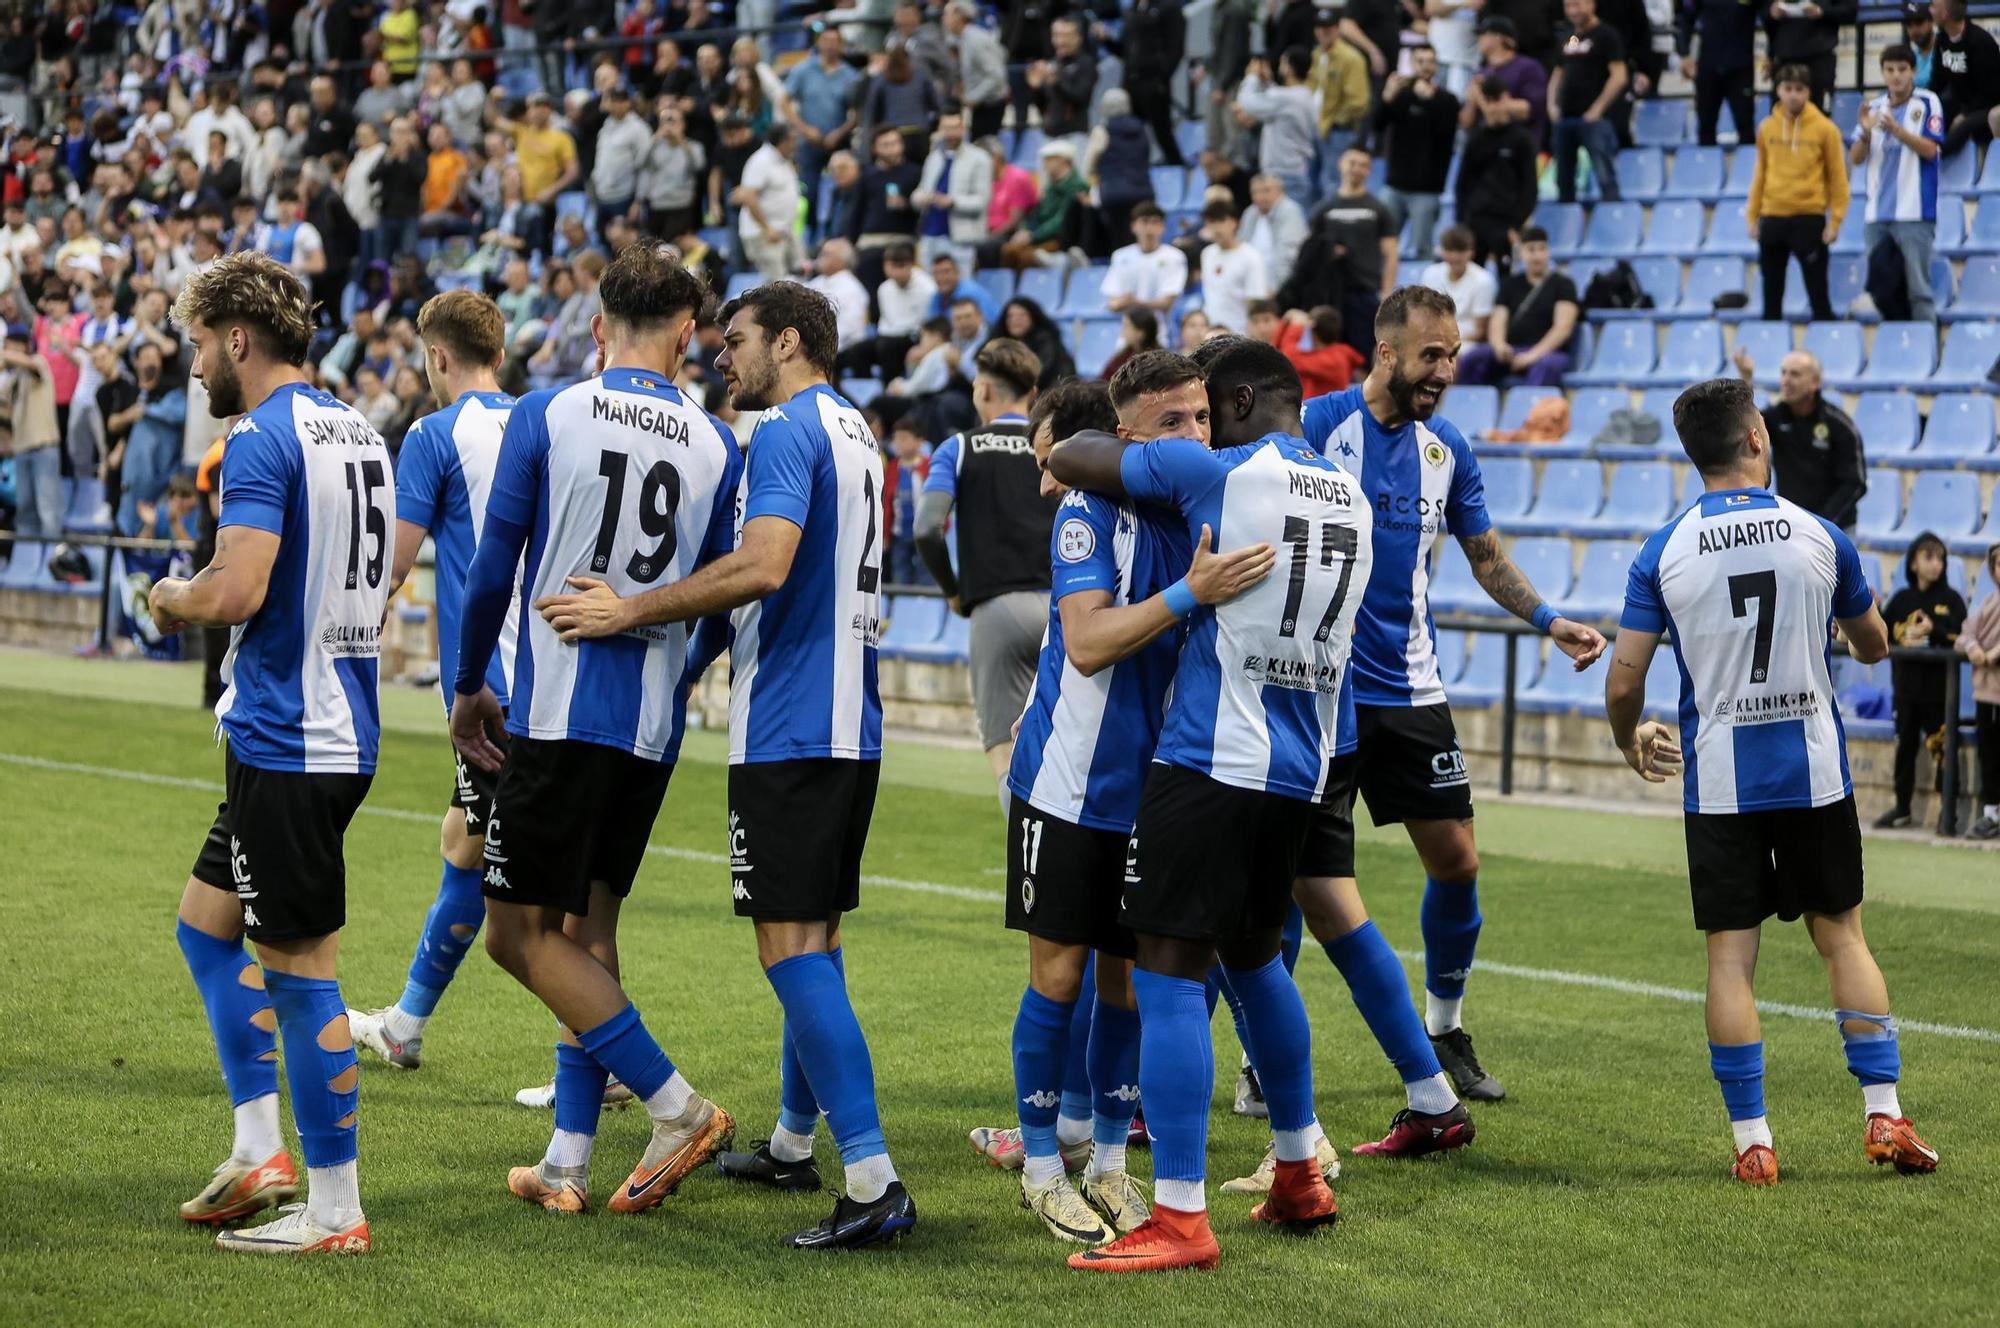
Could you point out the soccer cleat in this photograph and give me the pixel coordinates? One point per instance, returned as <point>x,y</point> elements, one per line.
<point>1002,1148</point>
<point>558,1189</point>
<point>1300,1199</point>
<point>292,1232</point>
<point>1119,1198</point>
<point>1756,1165</point>
<point>543,1097</point>
<point>1250,1094</point>
<point>1135,1134</point>
<point>1986,827</point>
<point>853,1224</point>
<point>1064,1212</point>
<point>763,1167</point>
<point>678,1146</point>
<point>1259,1181</point>
<point>1896,818</point>
<point>370,1029</point>
<point>1893,1139</point>
<point>1414,1135</point>
<point>239,1189</point>
<point>1166,1240</point>
<point>1454,1052</point>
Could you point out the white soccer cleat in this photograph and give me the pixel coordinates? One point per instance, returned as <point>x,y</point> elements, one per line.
<point>1064,1212</point>
<point>239,1189</point>
<point>369,1028</point>
<point>543,1096</point>
<point>1119,1198</point>
<point>1259,1181</point>
<point>292,1232</point>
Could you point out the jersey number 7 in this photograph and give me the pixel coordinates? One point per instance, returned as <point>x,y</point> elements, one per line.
<point>1762,587</point>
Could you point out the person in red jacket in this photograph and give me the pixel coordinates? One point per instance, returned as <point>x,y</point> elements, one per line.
<point>1331,363</point>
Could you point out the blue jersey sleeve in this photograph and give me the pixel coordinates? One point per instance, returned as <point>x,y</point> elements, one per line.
<point>260,468</point>
<point>780,471</point>
<point>943,475</point>
<point>1851,594</point>
<point>1082,548</point>
<point>1465,502</point>
<point>1645,611</point>
<point>420,475</point>
<point>510,517</point>
<point>722,520</point>
<point>1174,471</point>
<point>1317,419</point>
<point>518,474</point>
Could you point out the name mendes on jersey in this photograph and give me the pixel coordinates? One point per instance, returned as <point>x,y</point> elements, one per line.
<point>1743,534</point>
<point>339,432</point>
<point>1318,485</point>
<point>640,415</point>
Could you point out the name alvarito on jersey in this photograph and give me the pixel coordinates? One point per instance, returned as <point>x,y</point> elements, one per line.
<point>640,415</point>
<point>1742,534</point>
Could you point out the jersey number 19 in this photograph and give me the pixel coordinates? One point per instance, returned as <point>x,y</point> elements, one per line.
<point>659,505</point>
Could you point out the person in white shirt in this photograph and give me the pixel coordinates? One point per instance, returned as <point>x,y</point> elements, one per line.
<point>1900,136</point>
<point>953,194</point>
<point>359,189</point>
<point>769,198</point>
<point>1232,273</point>
<point>1470,286</point>
<point>1274,226</point>
<point>902,303</point>
<point>1146,272</point>
<point>218,113</point>
<point>837,282</point>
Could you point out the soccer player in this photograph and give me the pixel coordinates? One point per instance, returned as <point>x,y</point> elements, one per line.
<point>300,550</point>
<point>443,476</point>
<point>1251,740</point>
<point>1419,476</point>
<point>805,729</point>
<point>1750,586</point>
<point>620,477</point>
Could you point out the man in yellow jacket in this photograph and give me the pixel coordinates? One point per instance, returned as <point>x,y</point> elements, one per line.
<point>1340,77</point>
<point>1798,195</point>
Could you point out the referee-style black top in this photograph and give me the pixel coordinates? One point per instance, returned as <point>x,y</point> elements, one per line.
<point>1003,520</point>
<point>1819,460</point>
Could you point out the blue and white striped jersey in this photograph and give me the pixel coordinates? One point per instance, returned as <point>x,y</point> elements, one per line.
<point>802,678</point>
<point>621,478</point>
<point>1085,743</point>
<point>443,475</point>
<point>1422,481</point>
<point>1259,701</point>
<point>1901,185</point>
<point>301,673</point>
<point>1749,585</point>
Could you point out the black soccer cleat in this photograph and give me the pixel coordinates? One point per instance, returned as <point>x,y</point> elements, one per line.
<point>1455,1054</point>
<point>762,1167</point>
<point>853,1224</point>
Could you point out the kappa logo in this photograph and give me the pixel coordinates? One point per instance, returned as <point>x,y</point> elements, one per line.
<point>740,891</point>
<point>1125,1093</point>
<point>1456,975</point>
<point>250,917</point>
<point>497,879</point>
<point>1043,1098</point>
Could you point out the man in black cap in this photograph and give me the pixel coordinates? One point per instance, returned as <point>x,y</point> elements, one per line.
<point>1965,75</point>
<point>1524,82</point>
<point>1723,67</point>
<point>1920,34</point>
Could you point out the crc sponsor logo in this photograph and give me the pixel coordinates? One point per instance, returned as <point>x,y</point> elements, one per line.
<point>739,856</point>
<point>1448,769</point>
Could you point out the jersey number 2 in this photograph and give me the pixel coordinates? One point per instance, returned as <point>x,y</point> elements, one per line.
<point>1333,539</point>
<point>363,479</point>
<point>1762,587</point>
<point>655,518</point>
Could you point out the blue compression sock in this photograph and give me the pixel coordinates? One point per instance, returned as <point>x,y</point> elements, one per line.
<point>1218,981</point>
<point>249,1052</point>
<point>449,927</point>
<point>1872,1055</point>
<point>1076,1069</point>
<point>1041,1049</point>
<point>1740,1071</point>
<point>798,1109</point>
<point>579,1090</point>
<point>1292,938</point>
<point>1274,1017</point>
<point>831,1050</point>
<point>1451,921</point>
<point>326,1087</point>
<point>1176,1073</point>
<point>622,1045</point>
<point>1114,1071</point>
<point>1375,980</point>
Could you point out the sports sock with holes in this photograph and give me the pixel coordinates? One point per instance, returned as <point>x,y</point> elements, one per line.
<point>622,1045</point>
<point>1073,1118</point>
<point>1451,920</point>
<point>1176,1081</point>
<point>1375,980</point>
<point>324,1075</point>
<point>454,919</point>
<point>1041,1051</point>
<point>1874,1058</point>
<point>1114,1083</point>
<point>835,1058</point>
<point>798,1109</point>
<point>238,1007</point>
<point>579,1101</point>
<point>1274,1019</point>
<point>1739,1070</point>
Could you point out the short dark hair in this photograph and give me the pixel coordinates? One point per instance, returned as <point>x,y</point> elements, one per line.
<point>1230,362</point>
<point>1710,419</point>
<point>937,327</point>
<point>646,285</point>
<point>1900,54</point>
<point>1218,210</point>
<point>1457,240</point>
<point>1148,372</point>
<point>1299,60</point>
<point>1792,73</point>
<point>1071,407</point>
<point>1147,210</point>
<point>909,424</point>
<point>1533,235</point>
<point>1253,308</point>
<point>777,305</point>
<point>902,251</point>
<point>1393,315</point>
<point>1327,324</point>
<point>1010,364</point>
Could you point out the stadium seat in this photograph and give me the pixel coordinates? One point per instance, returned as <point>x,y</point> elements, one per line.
<point>1887,422</point>
<point>1600,588</point>
<point>1169,184</point>
<point>1192,135</point>
<point>86,496</point>
<point>1989,175</point>
<point>1979,285</point>
<point>1663,685</point>
<point>1043,285</point>
<point>1642,173</point>
<point>914,620</point>
<point>1846,105</point>
<point>1660,275</point>
<point>1639,500</point>
<point>1838,346</point>
<point>1546,562</point>
<point>25,569</point>
<point>1590,407</point>
<point>1767,343</point>
<point>1473,407</point>
<point>1485,675</point>
<point>1983,237</point>
<point>1969,352</point>
<point>1881,509</point>
<point>1028,148</point>
<point>861,391</point>
<point>953,643</point>
<point>1660,123</point>
<point>572,203</point>
<point>1944,502</point>
<point>1450,648</point>
<point>1950,234</point>
<point>1960,427</point>
<point>1691,488</point>
<point>1742,172</point>
<point>1521,400</point>
<point>1510,487</point>
<point>1096,343</point>
<point>1675,228</point>
<point>1453,588</point>
<point>1564,223</point>
<point>1084,296</point>
<point>1569,498</point>
<point>1728,232</point>
<point>1697,173</point>
<point>999,282</point>
<point>1624,355</point>
<point>1848,241</point>
<point>739,282</point>
<point>1614,228</point>
<point>1844,277</point>
<point>1904,353</point>
<point>1693,351</point>
<point>1563,690</point>
<point>1708,278</point>
<point>1956,171</point>
<point>1982,539</point>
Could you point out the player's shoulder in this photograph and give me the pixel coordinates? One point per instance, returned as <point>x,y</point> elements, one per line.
<point>1082,505</point>
<point>1812,525</point>
<point>1443,431</point>
<point>1322,415</point>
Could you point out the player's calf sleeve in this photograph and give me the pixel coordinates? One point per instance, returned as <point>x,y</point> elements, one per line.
<point>449,928</point>
<point>579,1089</point>
<point>239,1011</point>
<point>1375,980</point>
<point>1043,1032</point>
<point>1114,1072</point>
<point>321,1068</point>
<point>622,1045</point>
<point>1176,1073</point>
<point>1280,1042</point>
<point>1739,1070</point>
<point>1075,1111</point>
<point>1873,1056</point>
<point>798,1109</point>
<point>831,1050</point>
<point>1451,922</point>
<point>1218,982</point>
<point>1292,938</point>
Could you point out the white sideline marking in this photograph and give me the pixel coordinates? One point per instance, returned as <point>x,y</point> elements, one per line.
<point>1624,986</point>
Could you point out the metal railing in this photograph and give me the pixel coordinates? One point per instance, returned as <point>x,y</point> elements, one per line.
<point>108,544</point>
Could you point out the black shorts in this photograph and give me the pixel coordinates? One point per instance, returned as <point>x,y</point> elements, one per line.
<point>796,831</point>
<point>278,841</point>
<point>1209,861</point>
<point>568,813</point>
<point>1408,765</point>
<point>1329,848</point>
<point>1065,882</point>
<point>472,792</point>
<point>1746,866</point>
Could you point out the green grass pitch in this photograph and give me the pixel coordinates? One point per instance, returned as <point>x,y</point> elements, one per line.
<point>1597,1193</point>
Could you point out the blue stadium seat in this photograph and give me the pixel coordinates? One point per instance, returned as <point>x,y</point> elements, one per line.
<point>1960,428</point>
<point>1521,400</point>
<point>1570,497</point>
<point>1969,352</point>
<point>1590,407</point>
<point>1950,233</point>
<point>1660,124</point>
<point>1838,346</point>
<point>1979,285</point>
<point>1084,295</point>
<point>1846,105</point>
<point>739,282</point>
<point>1453,588</point>
<point>1642,172</point>
<point>1564,223</point>
<point>572,203</point>
<point>1989,175</point>
<point>1708,278</point>
<point>1028,148</point>
<point>1728,233</point>
<point>1904,353</point>
<point>1624,354</point>
<point>1675,227</point>
<point>1742,172</point>
<point>25,569</point>
<point>1545,562</point>
<point>1983,237</point>
<point>914,620</point>
<point>1192,135</point>
<point>1096,343</point>
<point>861,391</point>
<point>1945,502</point>
<point>1844,276</point>
<point>1169,186</point>
<point>1614,228</point>
<point>1881,508</point>
<point>1639,501</point>
<point>1956,171</point>
<point>1663,685</point>
<point>953,643</point>
<point>999,282</point>
<point>1660,274</point>
<point>1473,407</point>
<point>1600,587</point>
<point>1485,674</point>
<point>86,496</point>
<point>1043,285</point>
<point>1691,487</point>
<point>1697,173</point>
<point>1848,241</point>
<point>1984,538</point>
<point>1450,649</point>
<point>1562,690</point>
<point>1888,422</point>
<point>1767,343</point>
<point>1510,487</point>
<point>1693,351</point>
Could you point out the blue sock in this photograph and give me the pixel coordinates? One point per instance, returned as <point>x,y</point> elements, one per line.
<point>1291,938</point>
<point>1041,1049</point>
<point>622,1045</point>
<point>1114,1071</point>
<point>1076,1072</point>
<point>249,1054</point>
<point>1451,920</point>
<point>1740,1071</point>
<point>1872,1056</point>
<point>440,948</point>
<point>1176,1073</point>
<point>1218,981</point>
<point>1375,980</point>
<point>831,1050</point>
<point>1274,1017</point>
<point>579,1089</point>
<point>798,1109</point>
<point>326,1088</point>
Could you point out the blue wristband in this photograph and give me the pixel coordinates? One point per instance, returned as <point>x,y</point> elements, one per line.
<point>1180,600</point>
<point>1545,618</point>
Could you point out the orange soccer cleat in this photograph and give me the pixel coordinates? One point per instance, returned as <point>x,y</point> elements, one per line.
<point>677,1148</point>
<point>1893,1139</point>
<point>567,1194</point>
<point>1300,1198</point>
<point>239,1189</point>
<point>1756,1165</point>
<point>1168,1239</point>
